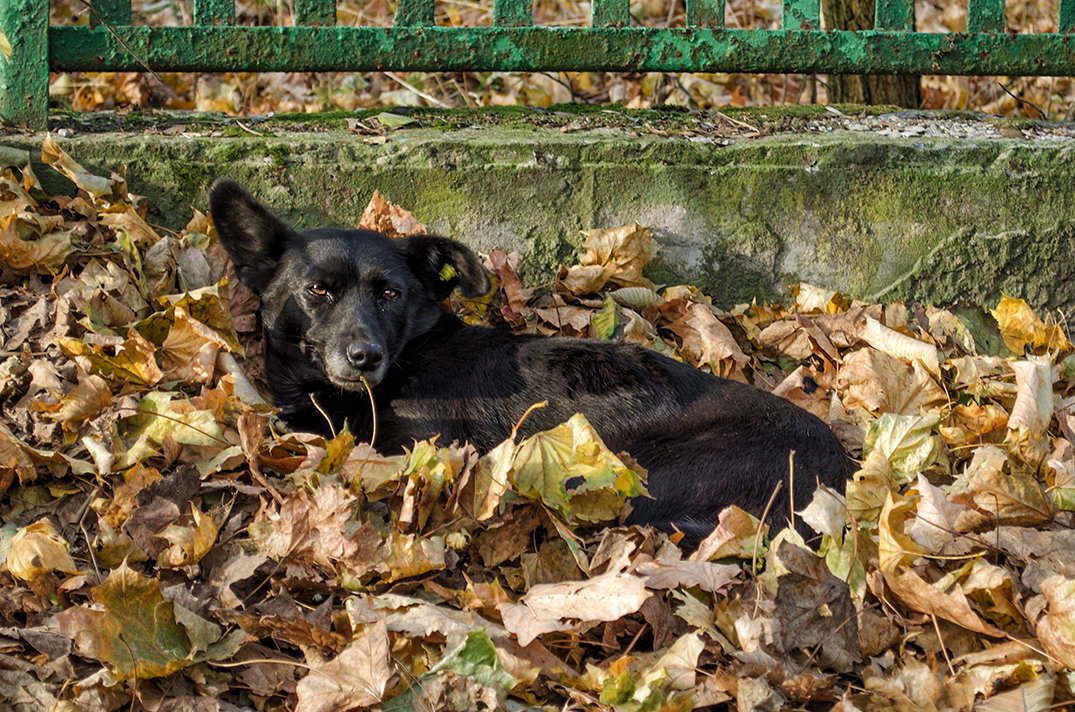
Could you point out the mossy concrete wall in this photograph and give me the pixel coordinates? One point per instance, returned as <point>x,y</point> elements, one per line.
<point>876,213</point>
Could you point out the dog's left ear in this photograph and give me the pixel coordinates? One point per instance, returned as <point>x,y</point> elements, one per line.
<point>442,264</point>
<point>253,236</point>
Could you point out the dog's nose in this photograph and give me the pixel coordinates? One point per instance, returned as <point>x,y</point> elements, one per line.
<point>364,355</point>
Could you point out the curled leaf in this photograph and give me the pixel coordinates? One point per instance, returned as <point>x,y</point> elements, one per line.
<point>37,549</point>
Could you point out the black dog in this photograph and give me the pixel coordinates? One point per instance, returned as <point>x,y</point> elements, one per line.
<point>342,305</point>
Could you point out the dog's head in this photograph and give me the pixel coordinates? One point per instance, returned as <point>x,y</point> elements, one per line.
<point>339,305</point>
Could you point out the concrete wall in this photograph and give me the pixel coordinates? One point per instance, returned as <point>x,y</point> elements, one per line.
<point>927,207</point>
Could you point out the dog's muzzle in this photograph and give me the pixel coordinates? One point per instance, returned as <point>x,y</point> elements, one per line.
<point>361,360</point>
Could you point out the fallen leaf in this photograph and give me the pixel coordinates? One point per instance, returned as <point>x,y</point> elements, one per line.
<point>37,549</point>
<point>1020,327</point>
<point>573,473</point>
<point>357,677</point>
<point>550,607</point>
<point>134,630</point>
<point>390,219</point>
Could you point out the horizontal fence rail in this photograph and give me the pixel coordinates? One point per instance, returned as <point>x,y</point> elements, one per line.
<point>214,43</point>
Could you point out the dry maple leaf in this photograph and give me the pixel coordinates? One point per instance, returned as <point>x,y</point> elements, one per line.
<point>389,218</point>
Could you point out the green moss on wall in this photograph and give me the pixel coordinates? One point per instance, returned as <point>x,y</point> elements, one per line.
<point>886,217</point>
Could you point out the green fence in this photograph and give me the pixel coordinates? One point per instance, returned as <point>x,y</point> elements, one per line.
<point>29,47</point>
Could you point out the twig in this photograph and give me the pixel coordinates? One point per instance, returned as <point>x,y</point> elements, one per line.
<point>519,423</point>
<point>791,488</point>
<point>1020,100</point>
<point>761,526</point>
<point>736,122</point>
<point>248,129</point>
<point>114,33</point>
<point>331,427</point>
<point>940,640</point>
<point>428,97</point>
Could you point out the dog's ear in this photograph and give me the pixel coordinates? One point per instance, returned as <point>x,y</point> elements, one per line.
<point>253,236</point>
<point>442,264</point>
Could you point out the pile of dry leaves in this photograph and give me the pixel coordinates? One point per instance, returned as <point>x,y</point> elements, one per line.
<point>167,545</point>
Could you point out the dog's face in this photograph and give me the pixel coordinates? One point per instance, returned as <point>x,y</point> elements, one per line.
<point>339,305</point>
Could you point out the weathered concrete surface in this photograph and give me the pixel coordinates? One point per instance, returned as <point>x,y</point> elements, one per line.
<point>924,207</point>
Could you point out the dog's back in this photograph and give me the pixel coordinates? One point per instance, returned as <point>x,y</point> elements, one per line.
<point>344,307</point>
<point>706,442</point>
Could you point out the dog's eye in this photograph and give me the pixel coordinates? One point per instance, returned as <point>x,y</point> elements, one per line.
<point>317,290</point>
<point>389,294</point>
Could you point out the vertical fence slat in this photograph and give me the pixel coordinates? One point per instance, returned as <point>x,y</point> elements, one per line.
<point>1067,15</point>
<point>985,16</point>
<point>513,13</point>
<point>801,15</point>
<point>894,15</point>
<point>315,13</point>
<point>412,13</point>
<point>214,12</point>
<point>24,74</point>
<point>611,13</point>
<point>705,13</point>
<point>112,12</point>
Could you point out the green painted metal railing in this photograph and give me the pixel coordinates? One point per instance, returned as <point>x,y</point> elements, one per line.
<point>414,43</point>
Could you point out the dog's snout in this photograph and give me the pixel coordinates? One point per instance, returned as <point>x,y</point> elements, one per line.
<point>364,355</point>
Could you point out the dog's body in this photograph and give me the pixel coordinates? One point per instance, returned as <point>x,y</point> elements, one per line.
<point>339,306</point>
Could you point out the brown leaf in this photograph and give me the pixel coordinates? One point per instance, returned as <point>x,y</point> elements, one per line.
<point>708,342</point>
<point>785,338</point>
<point>881,383</point>
<point>736,535</point>
<point>357,677</point>
<point>949,605</point>
<point>815,610</point>
<point>106,190</point>
<point>90,397</point>
<point>189,352</point>
<point>689,574</point>
<point>390,219</point>
<point>25,246</point>
<point>612,255</point>
<point>1056,629</point>
<point>1004,490</point>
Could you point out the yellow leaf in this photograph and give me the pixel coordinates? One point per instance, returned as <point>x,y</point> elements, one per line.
<point>38,549</point>
<point>1020,327</point>
<point>810,299</point>
<point>5,47</point>
<point>571,471</point>
<point>908,442</point>
<point>188,544</point>
<point>108,190</point>
<point>894,546</point>
<point>134,361</point>
<point>612,255</point>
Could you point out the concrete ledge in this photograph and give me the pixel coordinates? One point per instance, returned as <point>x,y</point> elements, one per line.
<point>929,207</point>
